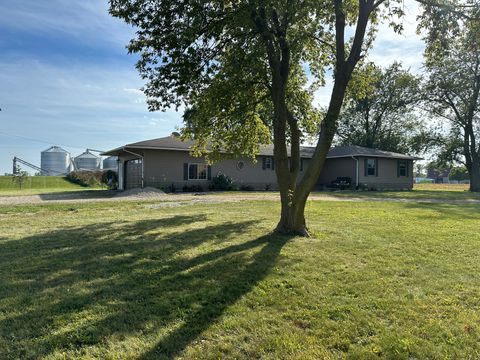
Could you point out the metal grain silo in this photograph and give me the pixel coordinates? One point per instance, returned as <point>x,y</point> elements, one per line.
<point>55,161</point>
<point>87,161</point>
<point>110,163</point>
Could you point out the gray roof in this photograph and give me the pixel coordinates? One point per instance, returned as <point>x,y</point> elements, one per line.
<point>55,149</point>
<point>86,155</point>
<point>353,150</point>
<point>174,143</point>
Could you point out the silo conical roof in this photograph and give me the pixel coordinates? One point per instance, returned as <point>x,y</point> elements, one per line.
<point>87,154</point>
<point>55,149</point>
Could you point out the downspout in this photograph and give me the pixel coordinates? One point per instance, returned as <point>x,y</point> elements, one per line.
<point>356,173</point>
<point>143,161</point>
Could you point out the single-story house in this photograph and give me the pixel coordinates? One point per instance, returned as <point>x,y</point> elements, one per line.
<point>167,161</point>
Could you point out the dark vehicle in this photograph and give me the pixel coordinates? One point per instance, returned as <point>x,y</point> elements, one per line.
<point>342,182</point>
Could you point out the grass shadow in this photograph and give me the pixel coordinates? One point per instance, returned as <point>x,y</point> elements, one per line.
<point>130,279</point>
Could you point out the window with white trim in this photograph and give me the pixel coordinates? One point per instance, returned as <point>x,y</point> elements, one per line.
<point>197,171</point>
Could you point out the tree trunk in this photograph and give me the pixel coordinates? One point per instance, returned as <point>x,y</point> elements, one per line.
<point>294,193</point>
<point>475,178</point>
<point>292,218</point>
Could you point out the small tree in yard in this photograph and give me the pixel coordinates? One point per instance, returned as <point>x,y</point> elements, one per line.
<point>239,67</point>
<point>19,177</point>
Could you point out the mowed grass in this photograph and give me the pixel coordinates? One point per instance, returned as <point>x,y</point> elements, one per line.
<point>209,281</point>
<point>447,192</point>
<point>38,185</point>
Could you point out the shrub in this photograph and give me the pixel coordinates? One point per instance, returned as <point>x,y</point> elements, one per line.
<point>170,188</point>
<point>19,177</point>
<point>86,178</point>
<point>110,178</point>
<point>222,182</point>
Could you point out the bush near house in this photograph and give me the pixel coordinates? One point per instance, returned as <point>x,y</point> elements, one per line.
<point>223,182</point>
<point>94,178</point>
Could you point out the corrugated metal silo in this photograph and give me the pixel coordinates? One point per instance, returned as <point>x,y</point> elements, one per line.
<point>55,161</point>
<point>87,161</point>
<point>110,163</point>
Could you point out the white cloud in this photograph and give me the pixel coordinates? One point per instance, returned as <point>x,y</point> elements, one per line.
<point>83,20</point>
<point>133,91</point>
<point>390,47</point>
<point>406,47</point>
<point>60,105</point>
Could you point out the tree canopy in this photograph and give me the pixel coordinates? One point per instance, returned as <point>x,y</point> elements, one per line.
<point>239,68</point>
<point>452,89</point>
<point>380,110</point>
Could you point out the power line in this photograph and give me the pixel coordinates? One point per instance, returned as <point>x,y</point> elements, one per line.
<point>39,141</point>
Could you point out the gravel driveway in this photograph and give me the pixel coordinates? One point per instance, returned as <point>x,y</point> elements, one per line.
<point>152,194</point>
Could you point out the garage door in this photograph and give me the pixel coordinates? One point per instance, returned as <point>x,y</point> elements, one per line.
<point>133,174</point>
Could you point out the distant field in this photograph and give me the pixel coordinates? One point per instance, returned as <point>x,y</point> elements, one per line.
<point>442,187</point>
<point>447,192</point>
<point>38,185</point>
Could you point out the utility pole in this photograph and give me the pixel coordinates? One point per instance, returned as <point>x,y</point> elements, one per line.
<point>14,172</point>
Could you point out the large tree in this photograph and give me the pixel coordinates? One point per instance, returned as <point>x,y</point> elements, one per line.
<point>240,69</point>
<point>452,61</point>
<point>380,110</point>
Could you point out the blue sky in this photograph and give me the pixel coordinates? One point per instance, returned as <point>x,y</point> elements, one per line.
<point>66,78</point>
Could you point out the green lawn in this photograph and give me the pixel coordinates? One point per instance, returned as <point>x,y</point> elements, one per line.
<point>38,185</point>
<point>445,192</point>
<point>446,195</point>
<point>420,192</point>
<point>132,280</point>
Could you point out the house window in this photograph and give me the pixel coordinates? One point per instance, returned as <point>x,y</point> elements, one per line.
<point>371,167</point>
<point>402,168</point>
<point>268,163</point>
<point>197,171</point>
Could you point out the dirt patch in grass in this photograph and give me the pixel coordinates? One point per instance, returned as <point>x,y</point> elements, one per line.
<point>145,193</point>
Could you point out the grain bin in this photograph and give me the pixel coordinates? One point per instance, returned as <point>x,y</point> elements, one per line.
<point>110,163</point>
<point>87,161</point>
<point>55,161</point>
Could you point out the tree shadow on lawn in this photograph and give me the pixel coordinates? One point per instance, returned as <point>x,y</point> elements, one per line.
<point>78,194</point>
<point>76,288</point>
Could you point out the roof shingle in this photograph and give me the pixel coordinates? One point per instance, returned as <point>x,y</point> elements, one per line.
<point>174,143</point>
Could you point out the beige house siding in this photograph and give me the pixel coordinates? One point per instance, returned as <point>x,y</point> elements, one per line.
<point>344,167</point>
<point>163,168</point>
<point>252,174</point>
<point>387,175</point>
